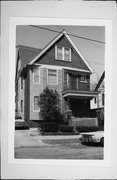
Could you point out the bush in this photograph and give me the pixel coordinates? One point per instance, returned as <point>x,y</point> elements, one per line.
<point>100,115</point>
<point>86,128</point>
<point>18,117</point>
<point>65,128</point>
<point>49,127</point>
<point>49,103</point>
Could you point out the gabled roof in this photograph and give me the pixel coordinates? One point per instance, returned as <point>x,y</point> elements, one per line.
<point>27,54</point>
<point>100,81</point>
<point>63,33</point>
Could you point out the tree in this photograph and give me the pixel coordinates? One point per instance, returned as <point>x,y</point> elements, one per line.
<point>100,115</point>
<point>49,103</point>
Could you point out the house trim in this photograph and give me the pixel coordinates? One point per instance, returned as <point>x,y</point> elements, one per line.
<point>76,93</point>
<point>54,41</point>
<point>62,67</point>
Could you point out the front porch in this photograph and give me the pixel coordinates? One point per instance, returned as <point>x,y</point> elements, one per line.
<point>78,102</point>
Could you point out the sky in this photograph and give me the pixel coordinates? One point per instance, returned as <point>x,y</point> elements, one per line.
<point>93,52</point>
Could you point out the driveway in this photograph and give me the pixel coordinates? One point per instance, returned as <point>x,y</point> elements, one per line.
<point>28,144</point>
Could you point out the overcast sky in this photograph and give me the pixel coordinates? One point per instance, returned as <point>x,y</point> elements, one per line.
<point>94,52</point>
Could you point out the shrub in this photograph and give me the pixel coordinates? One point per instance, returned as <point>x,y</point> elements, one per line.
<point>100,115</point>
<point>65,128</point>
<point>86,128</point>
<point>18,117</point>
<point>49,127</point>
<point>49,103</point>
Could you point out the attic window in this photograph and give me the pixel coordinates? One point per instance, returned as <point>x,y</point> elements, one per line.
<point>62,53</point>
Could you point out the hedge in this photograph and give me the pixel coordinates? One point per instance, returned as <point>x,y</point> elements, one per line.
<point>86,128</point>
<point>48,127</point>
<point>65,128</point>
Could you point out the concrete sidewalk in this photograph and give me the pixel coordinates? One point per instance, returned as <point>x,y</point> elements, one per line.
<point>32,138</point>
<point>35,132</point>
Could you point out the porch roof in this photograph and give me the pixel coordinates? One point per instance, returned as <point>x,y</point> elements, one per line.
<point>80,94</point>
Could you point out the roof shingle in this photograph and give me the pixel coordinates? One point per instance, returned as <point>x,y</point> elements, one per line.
<point>27,54</point>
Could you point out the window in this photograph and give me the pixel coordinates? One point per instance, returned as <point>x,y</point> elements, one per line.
<point>36,75</point>
<point>62,53</point>
<point>102,99</point>
<point>83,78</point>
<point>95,100</point>
<point>59,53</point>
<point>67,79</point>
<point>21,83</point>
<point>52,76</point>
<point>36,106</point>
<point>21,105</point>
<point>67,54</point>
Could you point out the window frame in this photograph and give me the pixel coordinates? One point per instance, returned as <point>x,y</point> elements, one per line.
<point>63,53</point>
<point>38,74</point>
<point>56,76</point>
<point>35,110</point>
<point>69,54</point>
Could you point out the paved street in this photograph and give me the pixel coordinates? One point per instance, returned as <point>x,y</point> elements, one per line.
<point>28,144</point>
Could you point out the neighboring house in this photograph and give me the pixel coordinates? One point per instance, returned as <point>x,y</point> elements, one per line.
<point>98,102</point>
<point>61,66</point>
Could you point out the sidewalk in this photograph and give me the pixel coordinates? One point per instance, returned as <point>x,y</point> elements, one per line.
<point>32,138</point>
<point>34,132</point>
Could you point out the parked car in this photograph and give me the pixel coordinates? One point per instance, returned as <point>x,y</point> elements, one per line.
<point>20,124</point>
<point>92,137</point>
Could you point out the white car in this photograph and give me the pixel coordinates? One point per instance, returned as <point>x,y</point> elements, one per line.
<point>20,124</point>
<point>92,137</point>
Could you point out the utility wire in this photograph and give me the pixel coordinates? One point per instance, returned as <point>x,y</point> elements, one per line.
<point>96,63</point>
<point>81,37</point>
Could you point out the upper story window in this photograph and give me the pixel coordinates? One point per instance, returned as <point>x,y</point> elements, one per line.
<point>36,75</point>
<point>83,78</point>
<point>67,54</point>
<point>62,53</point>
<point>52,76</point>
<point>36,106</point>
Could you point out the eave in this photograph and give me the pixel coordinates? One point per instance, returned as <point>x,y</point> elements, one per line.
<point>80,94</point>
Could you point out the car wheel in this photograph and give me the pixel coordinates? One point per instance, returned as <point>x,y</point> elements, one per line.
<point>102,142</point>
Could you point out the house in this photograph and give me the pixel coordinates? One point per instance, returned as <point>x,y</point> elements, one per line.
<point>61,66</point>
<point>98,102</point>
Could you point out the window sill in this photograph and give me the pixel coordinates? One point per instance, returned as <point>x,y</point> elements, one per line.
<point>52,84</point>
<point>63,60</point>
<point>85,82</point>
<point>36,111</point>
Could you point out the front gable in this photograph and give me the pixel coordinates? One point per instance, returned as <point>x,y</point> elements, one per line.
<point>48,55</point>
